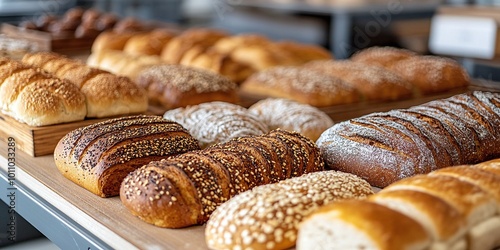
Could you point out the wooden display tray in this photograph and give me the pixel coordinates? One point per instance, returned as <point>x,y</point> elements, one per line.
<point>46,41</point>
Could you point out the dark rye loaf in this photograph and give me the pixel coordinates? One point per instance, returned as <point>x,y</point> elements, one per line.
<point>385,147</point>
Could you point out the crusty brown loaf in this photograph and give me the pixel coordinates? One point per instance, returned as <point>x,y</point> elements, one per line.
<point>291,115</point>
<point>106,94</point>
<point>33,97</point>
<point>382,56</point>
<point>186,189</point>
<point>302,85</point>
<point>110,40</point>
<point>271,213</point>
<point>216,122</point>
<point>148,43</point>
<point>98,157</point>
<point>373,82</point>
<point>174,86</point>
<point>385,147</point>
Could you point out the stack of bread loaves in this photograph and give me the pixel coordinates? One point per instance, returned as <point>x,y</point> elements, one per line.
<point>452,208</point>
<point>184,190</point>
<point>385,147</point>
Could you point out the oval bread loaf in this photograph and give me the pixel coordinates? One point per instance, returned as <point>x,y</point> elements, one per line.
<point>184,190</point>
<point>98,157</point>
<point>268,216</point>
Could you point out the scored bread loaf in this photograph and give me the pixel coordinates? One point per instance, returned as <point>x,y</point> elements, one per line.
<point>97,157</point>
<point>458,130</point>
<point>302,85</point>
<point>360,224</point>
<point>184,190</point>
<point>291,115</point>
<point>216,122</point>
<point>174,86</point>
<point>31,96</point>
<point>106,94</point>
<point>268,216</point>
<point>374,83</point>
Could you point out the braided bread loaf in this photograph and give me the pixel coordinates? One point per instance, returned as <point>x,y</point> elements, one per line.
<point>385,147</point>
<point>216,122</point>
<point>31,96</point>
<point>98,157</point>
<point>106,94</point>
<point>184,190</point>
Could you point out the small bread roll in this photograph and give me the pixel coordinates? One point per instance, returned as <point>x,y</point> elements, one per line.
<point>109,40</point>
<point>268,216</point>
<point>291,115</point>
<point>382,56</point>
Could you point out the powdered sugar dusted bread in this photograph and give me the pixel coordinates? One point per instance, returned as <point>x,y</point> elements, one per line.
<point>401,143</point>
<point>373,82</point>
<point>174,86</point>
<point>301,85</point>
<point>268,216</point>
<point>291,115</point>
<point>215,122</point>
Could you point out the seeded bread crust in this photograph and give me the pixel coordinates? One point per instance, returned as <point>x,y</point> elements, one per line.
<point>98,157</point>
<point>185,190</point>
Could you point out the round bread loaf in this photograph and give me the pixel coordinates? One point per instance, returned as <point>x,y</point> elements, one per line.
<point>185,190</point>
<point>110,40</point>
<point>302,85</point>
<point>216,122</point>
<point>268,216</point>
<point>174,86</point>
<point>291,115</point>
<point>360,224</point>
<point>432,74</point>
<point>97,157</point>
<point>373,82</point>
<point>382,56</point>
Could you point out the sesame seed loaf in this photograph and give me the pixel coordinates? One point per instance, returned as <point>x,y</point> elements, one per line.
<point>268,216</point>
<point>185,190</point>
<point>98,157</point>
<point>215,122</point>
<point>385,147</point>
<point>174,86</point>
<point>106,94</point>
<point>291,115</point>
<point>31,96</point>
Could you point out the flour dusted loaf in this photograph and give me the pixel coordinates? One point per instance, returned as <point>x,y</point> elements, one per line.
<point>185,190</point>
<point>382,56</point>
<point>291,115</point>
<point>106,94</point>
<point>216,122</point>
<point>302,85</point>
<point>456,206</point>
<point>268,216</point>
<point>174,86</point>
<point>97,157</point>
<point>386,147</point>
<point>31,96</point>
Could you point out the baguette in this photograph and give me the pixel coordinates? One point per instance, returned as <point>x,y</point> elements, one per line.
<point>185,190</point>
<point>267,217</point>
<point>97,157</point>
<point>31,96</point>
<point>106,94</point>
<point>402,143</point>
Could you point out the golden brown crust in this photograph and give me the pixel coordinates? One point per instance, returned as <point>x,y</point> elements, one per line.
<point>382,56</point>
<point>174,86</point>
<point>98,157</point>
<point>110,40</point>
<point>149,43</point>
<point>208,177</point>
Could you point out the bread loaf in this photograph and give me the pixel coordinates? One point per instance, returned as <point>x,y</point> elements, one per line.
<point>401,143</point>
<point>106,94</point>
<point>174,86</point>
<point>301,85</point>
<point>184,190</point>
<point>373,82</point>
<point>97,157</point>
<point>110,40</point>
<point>360,224</point>
<point>268,216</point>
<point>291,115</point>
<point>148,43</point>
<point>31,96</point>
<point>216,122</point>
<point>382,56</point>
